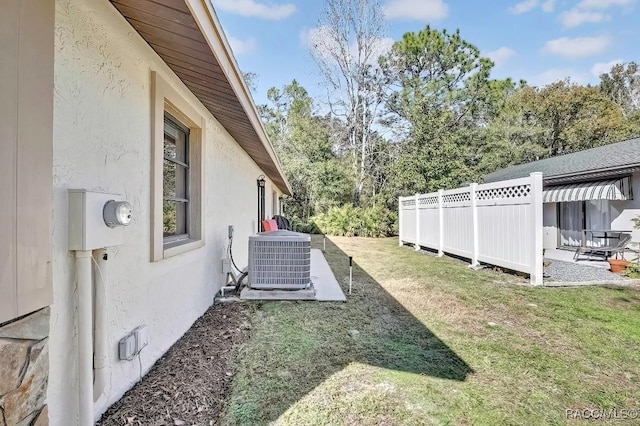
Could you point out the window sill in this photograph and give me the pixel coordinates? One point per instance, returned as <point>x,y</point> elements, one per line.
<point>175,248</point>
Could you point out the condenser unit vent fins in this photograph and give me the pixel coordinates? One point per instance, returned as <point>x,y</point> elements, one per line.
<point>280,260</point>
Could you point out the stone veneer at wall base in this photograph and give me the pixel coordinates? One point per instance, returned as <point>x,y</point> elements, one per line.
<point>24,370</point>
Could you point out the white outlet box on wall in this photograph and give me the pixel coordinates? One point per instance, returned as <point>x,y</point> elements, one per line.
<point>142,337</point>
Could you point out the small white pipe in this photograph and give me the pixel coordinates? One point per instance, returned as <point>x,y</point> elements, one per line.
<point>85,344</point>
<point>100,320</point>
<point>350,272</point>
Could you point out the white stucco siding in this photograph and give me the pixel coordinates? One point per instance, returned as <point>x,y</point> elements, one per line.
<point>623,211</point>
<point>550,225</point>
<point>102,142</point>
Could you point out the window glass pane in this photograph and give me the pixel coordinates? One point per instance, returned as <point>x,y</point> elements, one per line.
<point>175,144</point>
<point>175,218</point>
<point>174,180</point>
<point>169,147</point>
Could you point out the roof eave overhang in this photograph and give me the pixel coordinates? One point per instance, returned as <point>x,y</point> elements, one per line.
<point>590,175</point>
<point>194,27</point>
<point>207,20</point>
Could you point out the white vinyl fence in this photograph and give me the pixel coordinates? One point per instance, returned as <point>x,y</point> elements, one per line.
<point>497,223</point>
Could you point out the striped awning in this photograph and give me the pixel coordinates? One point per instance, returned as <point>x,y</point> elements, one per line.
<point>613,189</point>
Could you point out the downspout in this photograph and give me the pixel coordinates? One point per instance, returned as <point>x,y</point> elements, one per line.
<point>85,338</point>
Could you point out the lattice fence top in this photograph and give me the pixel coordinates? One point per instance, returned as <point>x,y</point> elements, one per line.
<point>428,201</point>
<point>409,202</point>
<point>459,197</point>
<point>509,192</point>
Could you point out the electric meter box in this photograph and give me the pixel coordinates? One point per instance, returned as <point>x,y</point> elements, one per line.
<point>87,227</point>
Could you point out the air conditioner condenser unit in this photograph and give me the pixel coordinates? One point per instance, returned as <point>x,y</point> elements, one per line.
<point>280,260</point>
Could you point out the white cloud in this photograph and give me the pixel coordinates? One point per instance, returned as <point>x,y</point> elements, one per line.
<point>382,46</point>
<point>577,47</point>
<point>604,67</point>
<point>418,10</point>
<point>549,5</point>
<point>242,47</point>
<point>590,11</point>
<point>501,56</point>
<point>557,74</point>
<point>603,4</point>
<point>528,5</point>
<point>319,41</point>
<point>576,17</point>
<point>254,9</point>
<point>524,7</point>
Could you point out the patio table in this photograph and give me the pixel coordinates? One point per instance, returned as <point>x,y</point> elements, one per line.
<point>607,237</point>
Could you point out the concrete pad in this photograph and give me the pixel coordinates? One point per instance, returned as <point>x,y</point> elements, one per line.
<point>327,287</point>
<point>324,286</point>
<point>255,294</point>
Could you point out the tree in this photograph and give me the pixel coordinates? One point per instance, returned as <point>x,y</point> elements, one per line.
<point>251,79</point>
<point>575,117</point>
<point>302,140</point>
<point>437,99</point>
<point>622,85</point>
<point>560,118</point>
<point>435,77</point>
<point>345,46</point>
<point>512,134</point>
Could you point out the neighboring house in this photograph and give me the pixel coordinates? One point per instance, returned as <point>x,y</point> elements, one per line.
<point>132,97</point>
<point>586,190</point>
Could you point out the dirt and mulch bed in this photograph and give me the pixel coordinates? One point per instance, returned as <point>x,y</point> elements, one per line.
<point>189,385</point>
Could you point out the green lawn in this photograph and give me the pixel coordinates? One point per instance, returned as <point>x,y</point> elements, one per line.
<point>437,343</point>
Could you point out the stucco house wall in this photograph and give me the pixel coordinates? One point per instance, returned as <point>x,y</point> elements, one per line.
<point>102,142</point>
<point>623,211</point>
<point>550,225</point>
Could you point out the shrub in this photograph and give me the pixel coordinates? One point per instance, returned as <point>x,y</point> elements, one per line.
<point>307,228</point>
<point>633,271</point>
<point>353,221</point>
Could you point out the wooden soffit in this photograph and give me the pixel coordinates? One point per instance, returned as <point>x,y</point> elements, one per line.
<point>188,37</point>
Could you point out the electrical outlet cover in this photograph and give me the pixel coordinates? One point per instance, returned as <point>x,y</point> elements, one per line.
<point>226,266</point>
<point>127,347</point>
<point>141,338</point>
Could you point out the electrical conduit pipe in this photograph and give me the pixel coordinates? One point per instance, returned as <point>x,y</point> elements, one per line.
<point>85,338</point>
<point>100,344</point>
<point>92,334</point>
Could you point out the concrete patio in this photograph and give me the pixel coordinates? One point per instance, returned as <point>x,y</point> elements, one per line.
<point>561,268</point>
<point>567,256</point>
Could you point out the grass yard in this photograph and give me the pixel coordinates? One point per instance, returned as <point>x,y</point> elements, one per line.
<point>437,343</point>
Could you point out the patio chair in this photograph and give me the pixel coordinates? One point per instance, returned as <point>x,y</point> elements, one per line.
<point>269,225</point>
<point>283,222</point>
<point>605,251</point>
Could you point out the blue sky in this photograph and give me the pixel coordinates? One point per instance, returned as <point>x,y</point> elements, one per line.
<point>540,41</point>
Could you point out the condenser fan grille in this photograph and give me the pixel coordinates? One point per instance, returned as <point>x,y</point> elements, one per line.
<point>280,260</point>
